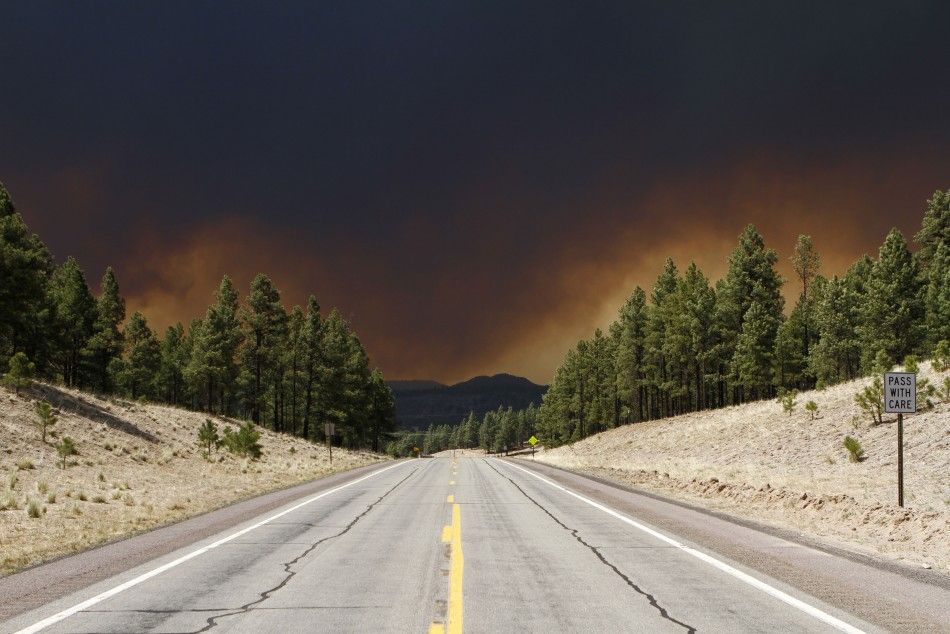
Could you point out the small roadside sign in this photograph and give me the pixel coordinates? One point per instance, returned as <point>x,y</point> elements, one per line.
<point>900,392</point>
<point>900,397</point>
<point>532,441</point>
<point>329,429</point>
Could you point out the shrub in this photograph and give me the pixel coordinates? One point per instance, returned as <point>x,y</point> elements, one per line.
<point>12,480</point>
<point>33,509</point>
<point>25,465</point>
<point>812,408</point>
<point>855,450</point>
<point>9,502</point>
<point>871,400</point>
<point>51,498</point>
<point>65,449</point>
<point>244,441</point>
<point>45,418</point>
<point>925,391</point>
<point>101,477</point>
<point>208,438</point>
<point>83,497</point>
<point>42,487</point>
<point>941,362</point>
<point>944,390</point>
<point>99,500</point>
<point>20,374</point>
<point>787,399</point>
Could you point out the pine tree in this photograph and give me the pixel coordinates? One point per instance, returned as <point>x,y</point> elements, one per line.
<point>935,228</point>
<point>754,357</point>
<point>25,269</point>
<point>893,311</point>
<point>807,264</point>
<point>383,409</point>
<point>224,325</point>
<point>752,278</point>
<point>836,356</point>
<point>630,356</point>
<point>937,297</point>
<point>143,356</point>
<point>20,374</point>
<point>790,342</point>
<point>658,318</point>
<point>313,362</point>
<point>263,318</point>
<point>106,343</point>
<point>294,360</point>
<point>74,311</point>
<point>174,359</point>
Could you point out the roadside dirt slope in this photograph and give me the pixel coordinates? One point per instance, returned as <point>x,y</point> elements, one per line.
<point>757,461</point>
<point>138,466</point>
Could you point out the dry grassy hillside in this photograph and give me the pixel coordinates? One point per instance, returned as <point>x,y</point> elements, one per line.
<point>138,466</point>
<point>757,461</point>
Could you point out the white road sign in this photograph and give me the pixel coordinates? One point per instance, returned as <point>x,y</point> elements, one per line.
<point>900,392</point>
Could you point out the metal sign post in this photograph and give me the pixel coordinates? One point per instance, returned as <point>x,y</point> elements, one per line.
<point>900,397</point>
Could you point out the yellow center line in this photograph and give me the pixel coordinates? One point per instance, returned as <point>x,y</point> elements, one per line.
<point>453,535</point>
<point>455,577</point>
<point>450,499</point>
<point>451,481</point>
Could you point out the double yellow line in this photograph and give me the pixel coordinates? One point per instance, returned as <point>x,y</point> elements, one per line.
<point>453,535</point>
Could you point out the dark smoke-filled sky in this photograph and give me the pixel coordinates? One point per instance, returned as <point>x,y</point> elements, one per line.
<point>475,185</point>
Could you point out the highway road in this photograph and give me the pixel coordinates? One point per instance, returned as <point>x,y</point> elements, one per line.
<point>477,545</point>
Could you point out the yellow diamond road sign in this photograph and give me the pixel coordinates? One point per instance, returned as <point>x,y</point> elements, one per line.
<point>533,441</point>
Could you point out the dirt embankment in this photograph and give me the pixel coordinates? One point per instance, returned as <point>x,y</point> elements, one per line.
<point>138,466</point>
<point>792,471</point>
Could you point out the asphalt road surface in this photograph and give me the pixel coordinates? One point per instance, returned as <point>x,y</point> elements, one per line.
<point>481,545</point>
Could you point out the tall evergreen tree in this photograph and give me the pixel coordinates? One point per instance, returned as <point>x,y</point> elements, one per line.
<point>383,409</point>
<point>74,310</point>
<point>106,343</point>
<point>263,317</point>
<point>174,359</point>
<point>752,279</point>
<point>313,362</point>
<point>935,228</point>
<point>836,356</point>
<point>754,357</point>
<point>937,299</point>
<point>631,387</point>
<point>807,265</point>
<point>893,311</point>
<point>25,269</point>
<point>143,356</point>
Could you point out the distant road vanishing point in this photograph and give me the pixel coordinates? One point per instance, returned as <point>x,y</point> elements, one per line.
<point>468,544</point>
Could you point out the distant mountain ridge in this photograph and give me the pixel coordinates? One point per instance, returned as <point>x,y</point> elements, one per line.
<point>420,403</point>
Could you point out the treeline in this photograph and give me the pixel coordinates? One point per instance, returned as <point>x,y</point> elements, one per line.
<point>290,371</point>
<point>695,346</point>
<point>504,427</point>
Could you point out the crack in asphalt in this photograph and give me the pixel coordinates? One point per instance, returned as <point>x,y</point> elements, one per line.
<point>600,556</point>
<point>263,596</point>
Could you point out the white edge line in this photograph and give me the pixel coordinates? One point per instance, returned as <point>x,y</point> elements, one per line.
<point>709,559</point>
<point>59,616</point>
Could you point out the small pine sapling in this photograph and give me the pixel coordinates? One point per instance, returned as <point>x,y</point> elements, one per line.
<point>20,374</point>
<point>855,450</point>
<point>208,437</point>
<point>244,441</point>
<point>65,449</point>
<point>944,390</point>
<point>871,400</point>
<point>787,399</point>
<point>812,408</point>
<point>45,418</point>
<point>925,390</point>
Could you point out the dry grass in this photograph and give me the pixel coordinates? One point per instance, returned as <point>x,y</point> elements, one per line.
<point>138,467</point>
<point>756,461</point>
